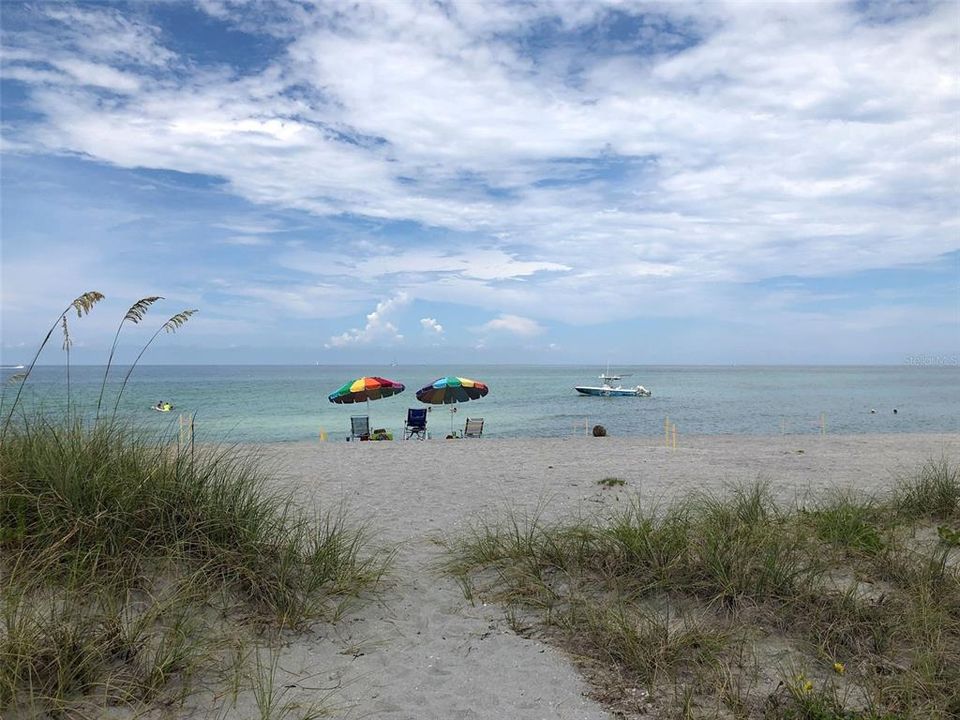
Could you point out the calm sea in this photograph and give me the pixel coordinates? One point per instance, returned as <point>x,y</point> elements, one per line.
<point>277,403</point>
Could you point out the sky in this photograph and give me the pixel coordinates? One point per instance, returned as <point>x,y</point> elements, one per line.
<point>484,182</point>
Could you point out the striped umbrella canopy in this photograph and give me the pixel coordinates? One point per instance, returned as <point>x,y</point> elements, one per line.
<point>365,389</point>
<point>450,389</point>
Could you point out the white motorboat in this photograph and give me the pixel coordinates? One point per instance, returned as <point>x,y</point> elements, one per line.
<point>607,389</point>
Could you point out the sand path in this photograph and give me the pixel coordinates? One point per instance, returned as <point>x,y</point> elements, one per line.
<point>424,651</point>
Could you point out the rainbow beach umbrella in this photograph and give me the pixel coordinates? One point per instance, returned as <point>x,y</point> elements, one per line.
<point>365,389</point>
<point>450,389</point>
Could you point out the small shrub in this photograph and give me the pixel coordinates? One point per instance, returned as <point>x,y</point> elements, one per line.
<point>599,431</point>
<point>611,482</point>
<point>948,536</point>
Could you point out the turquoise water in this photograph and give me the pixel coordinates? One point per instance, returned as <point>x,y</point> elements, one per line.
<point>278,403</point>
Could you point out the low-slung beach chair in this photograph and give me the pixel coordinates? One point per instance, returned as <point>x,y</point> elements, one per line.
<point>473,428</point>
<point>416,423</point>
<point>360,427</point>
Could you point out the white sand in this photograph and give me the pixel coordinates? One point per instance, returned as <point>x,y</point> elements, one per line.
<point>423,651</point>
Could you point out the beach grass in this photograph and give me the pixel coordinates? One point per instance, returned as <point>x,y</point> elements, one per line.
<point>126,559</point>
<point>934,491</point>
<point>735,605</point>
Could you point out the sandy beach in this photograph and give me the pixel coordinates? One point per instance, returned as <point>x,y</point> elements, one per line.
<point>422,650</point>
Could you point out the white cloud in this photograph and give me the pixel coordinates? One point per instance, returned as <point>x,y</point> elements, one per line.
<point>787,139</point>
<point>378,328</point>
<point>247,240</point>
<point>478,263</point>
<point>107,34</point>
<point>774,124</point>
<point>250,226</point>
<point>514,324</point>
<point>99,75</point>
<point>300,300</point>
<point>431,326</point>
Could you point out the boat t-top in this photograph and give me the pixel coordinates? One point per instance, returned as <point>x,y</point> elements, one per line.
<point>607,389</point>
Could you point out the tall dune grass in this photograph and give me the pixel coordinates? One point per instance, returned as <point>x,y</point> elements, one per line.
<point>677,609</point>
<point>108,500</point>
<point>107,533</point>
<point>127,559</point>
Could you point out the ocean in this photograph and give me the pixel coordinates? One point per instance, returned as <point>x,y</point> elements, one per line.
<point>238,403</point>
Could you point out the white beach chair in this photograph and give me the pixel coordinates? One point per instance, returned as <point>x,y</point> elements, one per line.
<point>473,428</point>
<point>360,427</point>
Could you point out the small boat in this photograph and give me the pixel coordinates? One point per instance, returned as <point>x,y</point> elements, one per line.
<point>606,388</point>
<point>162,407</point>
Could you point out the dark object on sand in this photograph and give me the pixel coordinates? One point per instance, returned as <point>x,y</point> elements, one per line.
<point>599,431</point>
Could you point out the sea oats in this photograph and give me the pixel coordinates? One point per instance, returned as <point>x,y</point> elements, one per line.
<point>135,314</point>
<point>139,309</point>
<point>83,305</point>
<point>178,320</point>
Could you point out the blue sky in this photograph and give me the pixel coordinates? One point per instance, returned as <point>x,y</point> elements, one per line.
<point>529,182</point>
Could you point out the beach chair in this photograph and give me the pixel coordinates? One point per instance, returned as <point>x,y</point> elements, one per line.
<point>473,428</point>
<point>416,424</point>
<point>360,427</point>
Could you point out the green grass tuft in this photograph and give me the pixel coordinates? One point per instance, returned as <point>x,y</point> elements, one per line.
<point>933,491</point>
<point>849,522</point>
<point>684,602</point>
<point>123,555</point>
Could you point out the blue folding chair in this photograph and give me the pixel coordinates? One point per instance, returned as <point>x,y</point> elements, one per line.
<point>416,423</point>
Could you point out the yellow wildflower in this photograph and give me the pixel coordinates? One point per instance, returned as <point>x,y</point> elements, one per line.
<point>839,668</point>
